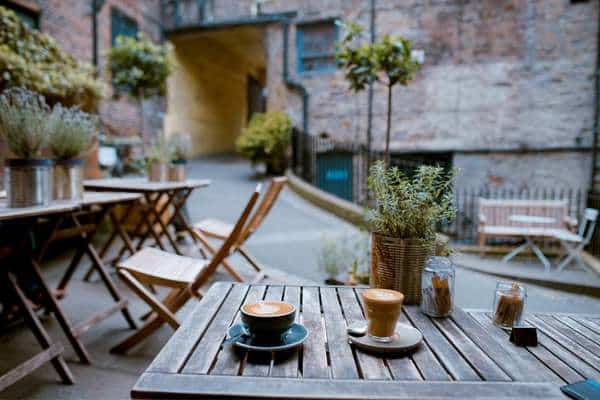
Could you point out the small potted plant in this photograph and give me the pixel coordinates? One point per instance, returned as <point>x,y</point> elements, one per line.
<point>71,133</point>
<point>403,223</point>
<point>267,139</point>
<point>157,161</point>
<point>181,144</point>
<point>24,125</point>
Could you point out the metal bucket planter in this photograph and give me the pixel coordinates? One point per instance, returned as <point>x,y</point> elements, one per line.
<point>177,171</point>
<point>397,264</point>
<point>158,172</point>
<point>68,179</point>
<point>28,182</point>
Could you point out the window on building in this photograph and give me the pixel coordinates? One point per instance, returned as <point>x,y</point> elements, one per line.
<point>121,24</point>
<point>316,46</point>
<point>29,16</point>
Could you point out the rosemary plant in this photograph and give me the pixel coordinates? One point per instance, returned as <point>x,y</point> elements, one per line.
<point>24,122</point>
<point>160,152</point>
<point>410,208</point>
<point>71,131</point>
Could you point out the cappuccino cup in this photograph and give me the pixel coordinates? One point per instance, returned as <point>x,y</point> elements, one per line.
<point>382,307</point>
<point>268,318</point>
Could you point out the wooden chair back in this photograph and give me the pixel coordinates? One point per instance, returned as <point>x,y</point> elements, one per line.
<point>275,187</point>
<point>225,248</point>
<point>497,212</point>
<point>588,225</point>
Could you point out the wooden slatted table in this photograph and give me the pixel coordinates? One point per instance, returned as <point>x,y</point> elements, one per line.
<point>22,224</point>
<point>160,199</point>
<point>464,356</point>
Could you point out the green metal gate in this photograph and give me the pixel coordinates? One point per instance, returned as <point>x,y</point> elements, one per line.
<point>334,173</point>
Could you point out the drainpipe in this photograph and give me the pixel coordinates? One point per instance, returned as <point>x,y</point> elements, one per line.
<point>96,7</point>
<point>292,84</point>
<point>370,98</point>
<point>596,127</point>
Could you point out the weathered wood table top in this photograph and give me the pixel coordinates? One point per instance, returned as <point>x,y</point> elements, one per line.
<point>142,185</point>
<point>461,357</point>
<point>91,198</point>
<point>7,213</point>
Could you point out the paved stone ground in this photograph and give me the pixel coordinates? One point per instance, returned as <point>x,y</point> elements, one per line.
<point>289,240</point>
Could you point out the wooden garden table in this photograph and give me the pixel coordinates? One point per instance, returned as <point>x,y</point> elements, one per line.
<point>160,199</point>
<point>27,218</point>
<point>464,356</point>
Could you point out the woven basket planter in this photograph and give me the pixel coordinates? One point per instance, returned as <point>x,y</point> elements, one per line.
<point>397,264</point>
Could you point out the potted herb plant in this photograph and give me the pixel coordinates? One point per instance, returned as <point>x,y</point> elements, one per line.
<point>157,161</point>
<point>403,223</point>
<point>24,125</point>
<point>71,133</point>
<point>181,144</point>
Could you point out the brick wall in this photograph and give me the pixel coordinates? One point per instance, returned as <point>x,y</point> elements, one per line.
<point>69,22</point>
<point>498,75</point>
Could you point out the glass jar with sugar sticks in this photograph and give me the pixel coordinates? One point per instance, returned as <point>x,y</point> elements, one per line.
<point>437,287</point>
<point>509,304</point>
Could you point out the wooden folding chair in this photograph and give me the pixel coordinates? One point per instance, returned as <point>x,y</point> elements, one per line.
<point>183,275</point>
<point>217,229</point>
<point>574,243</point>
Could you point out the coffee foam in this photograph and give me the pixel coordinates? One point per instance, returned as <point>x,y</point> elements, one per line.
<point>268,308</point>
<point>384,295</point>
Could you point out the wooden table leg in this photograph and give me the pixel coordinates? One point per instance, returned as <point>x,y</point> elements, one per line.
<point>158,217</point>
<point>52,352</point>
<point>99,266</point>
<point>147,220</point>
<point>116,231</point>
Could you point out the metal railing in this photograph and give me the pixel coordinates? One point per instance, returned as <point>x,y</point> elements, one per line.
<point>342,169</point>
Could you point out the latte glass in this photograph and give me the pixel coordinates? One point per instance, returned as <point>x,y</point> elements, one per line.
<point>383,310</point>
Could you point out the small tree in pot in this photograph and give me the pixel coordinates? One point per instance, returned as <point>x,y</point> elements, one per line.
<point>140,68</point>
<point>71,133</point>
<point>389,61</point>
<point>24,125</point>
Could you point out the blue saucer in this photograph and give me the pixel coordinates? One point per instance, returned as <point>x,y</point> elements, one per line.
<point>293,337</point>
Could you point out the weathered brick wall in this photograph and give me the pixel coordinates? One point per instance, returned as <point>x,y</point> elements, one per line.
<point>69,22</point>
<point>499,74</point>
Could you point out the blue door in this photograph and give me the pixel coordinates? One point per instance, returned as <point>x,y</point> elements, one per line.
<point>334,173</point>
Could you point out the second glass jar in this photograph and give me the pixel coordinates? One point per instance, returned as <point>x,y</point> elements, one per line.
<point>437,287</point>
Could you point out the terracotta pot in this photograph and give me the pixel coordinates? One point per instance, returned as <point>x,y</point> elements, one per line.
<point>177,171</point>
<point>157,171</point>
<point>397,264</point>
<point>68,179</point>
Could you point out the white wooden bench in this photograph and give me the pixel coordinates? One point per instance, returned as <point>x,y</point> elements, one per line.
<point>528,219</point>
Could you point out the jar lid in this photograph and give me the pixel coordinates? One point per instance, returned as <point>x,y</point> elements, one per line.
<point>439,264</point>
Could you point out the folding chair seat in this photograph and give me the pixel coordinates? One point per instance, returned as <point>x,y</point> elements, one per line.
<point>218,229</point>
<point>183,275</point>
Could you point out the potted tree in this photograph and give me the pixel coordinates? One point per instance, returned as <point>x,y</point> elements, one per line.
<point>181,144</point>
<point>71,133</point>
<point>140,68</point>
<point>267,139</point>
<point>406,210</point>
<point>24,125</point>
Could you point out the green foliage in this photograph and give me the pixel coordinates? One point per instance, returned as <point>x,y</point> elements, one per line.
<point>410,208</point>
<point>267,138</point>
<point>161,151</point>
<point>140,67</point>
<point>33,60</point>
<point>24,122</point>
<point>71,131</point>
<point>389,60</point>
<point>350,253</point>
<point>181,146</point>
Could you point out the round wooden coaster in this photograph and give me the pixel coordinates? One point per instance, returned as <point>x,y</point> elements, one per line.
<point>405,339</point>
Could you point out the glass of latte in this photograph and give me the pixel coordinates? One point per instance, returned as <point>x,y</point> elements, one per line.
<point>382,307</point>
